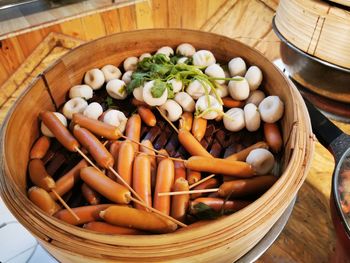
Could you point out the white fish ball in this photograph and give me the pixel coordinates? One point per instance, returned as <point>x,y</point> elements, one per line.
<point>167,51</point>
<point>185,101</point>
<point>93,110</point>
<point>138,93</point>
<point>234,119</point>
<point>176,84</point>
<point>203,58</point>
<point>215,71</point>
<point>111,72</point>
<point>115,118</point>
<point>116,88</point>
<point>271,109</point>
<point>196,89</point>
<point>221,90</point>
<point>81,91</point>
<point>144,55</point>
<point>254,77</point>
<point>185,49</point>
<point>211,104</point>
<point>148,97</point>
<point>237,67</point>
<point>261,160</point>
<point>94,78</point>
<point>130,63</point>
<point>255,97</point>
<point>172,110</point>
<point>127,77</point>
<point>182,60</point>
<point>239,88</point>
<point>251,117</point>
<point>46,130</point>
<point>75,105</point>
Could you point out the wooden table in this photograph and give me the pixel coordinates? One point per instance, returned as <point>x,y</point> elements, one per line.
<point>309,235</point>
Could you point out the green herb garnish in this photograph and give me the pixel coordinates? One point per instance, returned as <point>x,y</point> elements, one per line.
<point>158,88</point>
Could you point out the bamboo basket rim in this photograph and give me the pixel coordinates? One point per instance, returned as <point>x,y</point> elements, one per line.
<point>220,224</point>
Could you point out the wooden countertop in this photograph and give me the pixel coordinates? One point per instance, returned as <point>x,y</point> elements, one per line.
<point>309,235</point>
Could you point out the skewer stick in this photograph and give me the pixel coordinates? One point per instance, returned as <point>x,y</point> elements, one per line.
<point>168,121</point>
<point>65,204</point>
<point>189,192</point>
<point>87,158</point>
<point>159,213</point>
<point>163,156</point>
<point>202,181</point>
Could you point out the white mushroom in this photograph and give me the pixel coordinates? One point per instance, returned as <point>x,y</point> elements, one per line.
<point>176,84</point>
<point>148,97</point>
<point>255,97</point>
<point>172,110</point>
<point>215,71</point>
<point>81,91</point>
<point>138,93</point>
<point>116,88</point>
<point>144,55</point>
<point>234,119</point>
<point>221,90</point>
<point>46,130</point>
<point>94,78</point>
<point>130,63</point>
<point>111,72</point>
<point>237,67</point>
<point>251,117</point>
<point>271,109</point>
<point>185,101</point>
<point>93,110</point>
<point>127,77</point>
<point>75,105</point>
<point>115,118</point>
<point>227,75</point>
<point>261,160</point>
<point>238,88</point>
<point>182,60</point>
<point>185,49</point>
<point>167,51</point>
<point>203,58</point>
<point>210,105</point>
<point>254,77</point>
<point>196,89</point>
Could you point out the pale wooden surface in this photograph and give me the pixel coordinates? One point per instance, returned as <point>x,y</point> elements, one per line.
<point>309,235</point>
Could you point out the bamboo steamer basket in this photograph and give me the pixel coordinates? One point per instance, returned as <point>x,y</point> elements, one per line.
<point>317,27</point>
<point>223,240</point>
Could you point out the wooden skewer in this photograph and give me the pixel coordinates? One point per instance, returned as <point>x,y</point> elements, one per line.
<point>65,204</point>
<point>168,121</point>
<point>189,192</point>
<point>163,156</point>
<point>159,213</point>
<point>87,159</point>
<point>202,181</point>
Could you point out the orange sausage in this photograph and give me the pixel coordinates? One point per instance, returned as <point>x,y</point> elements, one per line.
<point>138,103</point>
<point>244,187</point>
<point>125,161</point>
<point>220,166</point>
<point>242,155</point>
<point>139,219</point>
<point>97,150</point>
<point>219,204</point>
<point>191,144</point>
<point>273,136</point>
<point>133,130</point>
<point>193,176</point>
<point>142,179</point>
<point>109,229</point>
<point>43,200</point>
<point>67,181</point>
<point>105,186</point>
<point>161,153</point>
<point>114,150</point>
<point>231,103</point>
<point>98,128</point>
<point>39,176</point>
<point>211,183</point>
<point>180,170</point>
<point>151,155</point>
<point>90,195</point>
<point>59,130</point>
<point>40,148</point>
<point>86,214</point>
<point>147,116</point>
<point>198,128</point>
<point>179,203</point>
<point>164,183</point>
<point>186,121</point>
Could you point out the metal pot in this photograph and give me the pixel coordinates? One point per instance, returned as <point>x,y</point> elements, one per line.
<point>321,77</point>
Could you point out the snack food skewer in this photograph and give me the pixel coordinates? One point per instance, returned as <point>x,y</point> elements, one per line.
<point>65,204</point>
<point>189,192</point>
<point>202,181</point>
<point>168,121</point>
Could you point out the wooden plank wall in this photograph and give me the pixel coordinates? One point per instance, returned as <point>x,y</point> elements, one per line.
<point>247,20</point>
